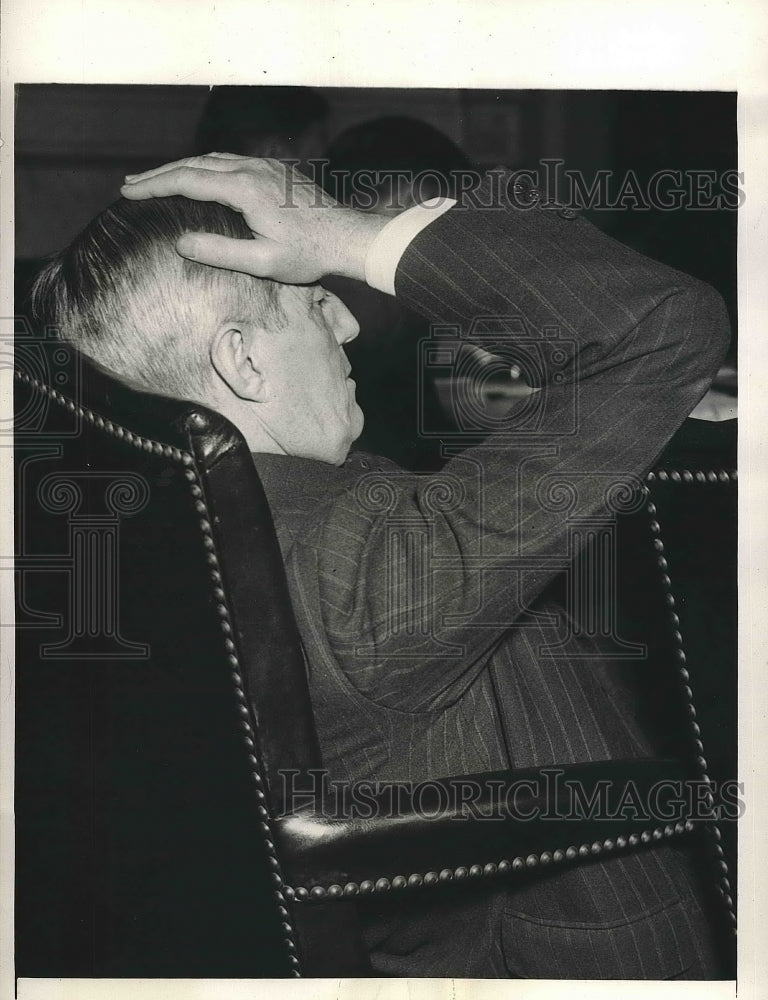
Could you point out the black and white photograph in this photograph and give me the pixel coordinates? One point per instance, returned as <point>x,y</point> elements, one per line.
<point>375,600</point>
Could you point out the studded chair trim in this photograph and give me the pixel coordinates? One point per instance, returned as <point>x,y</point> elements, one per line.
<point>543,859</point>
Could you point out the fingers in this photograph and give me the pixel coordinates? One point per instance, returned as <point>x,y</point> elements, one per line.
<point>249,256</point>
<point>211,161</point>
<point>228,156</point>
<point>183,178</point>
<point>188,161</point>
<point>260,257</point>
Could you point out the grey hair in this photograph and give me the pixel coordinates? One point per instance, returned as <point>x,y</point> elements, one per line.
<point>122,294</point>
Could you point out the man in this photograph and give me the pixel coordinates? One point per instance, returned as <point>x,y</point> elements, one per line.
<point>431,662</point>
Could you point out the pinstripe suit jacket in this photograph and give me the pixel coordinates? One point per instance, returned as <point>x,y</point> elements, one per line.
<point>425,603</point>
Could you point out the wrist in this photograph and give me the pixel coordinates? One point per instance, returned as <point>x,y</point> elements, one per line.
<point>353,234</point>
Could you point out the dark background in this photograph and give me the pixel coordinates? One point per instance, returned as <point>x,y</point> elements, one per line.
<point>74,143</point>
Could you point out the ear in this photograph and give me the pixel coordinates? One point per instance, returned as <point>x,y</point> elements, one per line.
<point>233,358</point>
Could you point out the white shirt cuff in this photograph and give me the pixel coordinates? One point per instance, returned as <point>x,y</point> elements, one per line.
<point>391,243</point>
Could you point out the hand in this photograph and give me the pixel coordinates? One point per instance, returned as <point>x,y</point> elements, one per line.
<point>299,232</point>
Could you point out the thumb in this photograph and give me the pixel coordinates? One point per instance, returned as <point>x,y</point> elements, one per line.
<point>251,256</point>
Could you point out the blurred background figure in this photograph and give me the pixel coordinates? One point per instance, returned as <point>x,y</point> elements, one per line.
<point>415,160</point>
<point>280,122</point>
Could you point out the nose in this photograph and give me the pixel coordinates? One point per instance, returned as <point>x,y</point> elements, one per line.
<point>345,326</point>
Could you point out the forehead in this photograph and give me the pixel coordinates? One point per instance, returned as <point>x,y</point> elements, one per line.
<point>297,301</point>
<point>297,295</point>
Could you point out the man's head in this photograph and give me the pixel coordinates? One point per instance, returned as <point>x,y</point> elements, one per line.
<point>266,355</point>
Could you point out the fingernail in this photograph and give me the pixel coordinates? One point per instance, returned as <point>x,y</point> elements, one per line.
<point>187,247</point>
<point>130,178</point>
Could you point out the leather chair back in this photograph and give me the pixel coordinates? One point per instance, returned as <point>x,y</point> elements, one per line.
<point>159,678</point>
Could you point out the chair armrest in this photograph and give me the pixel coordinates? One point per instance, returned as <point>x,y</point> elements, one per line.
<point>478,825</point>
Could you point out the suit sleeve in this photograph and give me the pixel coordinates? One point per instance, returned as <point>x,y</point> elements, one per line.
<point>420,578</point>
